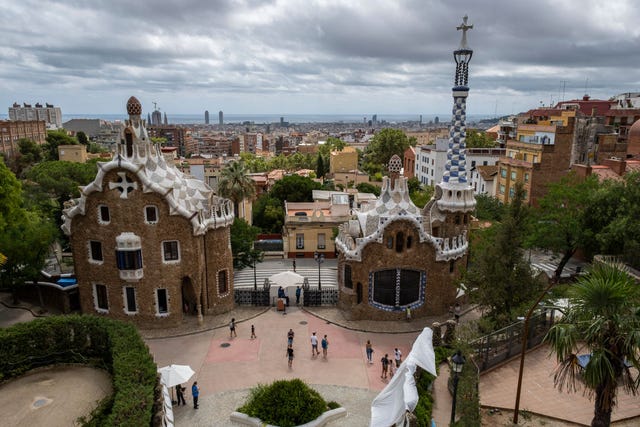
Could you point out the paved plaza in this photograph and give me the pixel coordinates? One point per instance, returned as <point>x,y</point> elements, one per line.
<point>226,373</point>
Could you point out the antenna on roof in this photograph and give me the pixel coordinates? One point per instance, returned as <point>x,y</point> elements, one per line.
<point>586,86</point>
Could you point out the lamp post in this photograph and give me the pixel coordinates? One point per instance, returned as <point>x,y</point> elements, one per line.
<point>319,259</point>
<point>525,334</point>
<point>255,279</point>
<point>457,362</point>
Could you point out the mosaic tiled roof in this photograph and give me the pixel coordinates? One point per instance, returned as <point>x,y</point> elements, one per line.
<point>185,195</point>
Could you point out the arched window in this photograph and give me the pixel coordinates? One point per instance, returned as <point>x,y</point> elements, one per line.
<point>399,241</point>
<point>348,283</point>
<point>128,136</point>
<point>409,242</point>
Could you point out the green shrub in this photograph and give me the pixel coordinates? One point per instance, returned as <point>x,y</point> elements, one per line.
<point>284,403</point>
<point>423,383</point>
<point>107,344</point>
<point>333,405</point>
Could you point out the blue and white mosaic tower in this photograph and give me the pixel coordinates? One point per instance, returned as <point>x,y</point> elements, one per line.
<point>456,193</point>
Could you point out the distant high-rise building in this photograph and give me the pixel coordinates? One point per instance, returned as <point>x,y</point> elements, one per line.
<point>156,116</point>
<point>374,119</point>
<point>206,117</point>
<point>220,118</point>
<point>281,121</point>
<point>420,118</point>
<point>166,122</point>
<point>148,119</point>
<point>51,115</point>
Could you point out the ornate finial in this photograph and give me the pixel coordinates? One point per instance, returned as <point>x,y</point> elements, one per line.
<point>134,108</point>
<point>395,164</point>
<point>464,27</point>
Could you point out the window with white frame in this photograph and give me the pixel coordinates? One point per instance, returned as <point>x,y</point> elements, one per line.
<point>95,252</point>
<point>223,283</point>
<point>300,241</point>
<point>162,302</point>
<point>171,251</point>
<point>151,214</point>
<point>100,298</point>
<point>104,216</point>
<point>130,304</point>
<point>321,241</point>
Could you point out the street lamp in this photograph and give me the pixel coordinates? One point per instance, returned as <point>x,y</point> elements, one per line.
<point>525,334</point>
<point>457,362</point>
<point>319,259</point>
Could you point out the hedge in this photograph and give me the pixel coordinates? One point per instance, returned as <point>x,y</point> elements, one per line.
<point>107,344</point>
<point>285,403</point>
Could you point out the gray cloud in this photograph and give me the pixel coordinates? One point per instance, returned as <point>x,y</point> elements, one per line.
<point>312,56</point>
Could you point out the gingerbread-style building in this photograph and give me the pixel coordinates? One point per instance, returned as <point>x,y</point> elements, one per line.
<point>150,244</point>
<point>394,256</point>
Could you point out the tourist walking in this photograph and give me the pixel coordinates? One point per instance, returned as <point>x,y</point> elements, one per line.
<point>195,392</point>
<point>314,345</point>
<point>385,366</point>
<point>232,328</point>
<point>397,355</point>
<point>290,335</point>
<point>253,332</point>
<point>325,346</point>
<point>369,350</point>
<point>298,292</point>
<point>290,355</point>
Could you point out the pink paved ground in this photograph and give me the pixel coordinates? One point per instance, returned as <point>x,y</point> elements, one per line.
<point>498,389</point>
<point>247,362</point>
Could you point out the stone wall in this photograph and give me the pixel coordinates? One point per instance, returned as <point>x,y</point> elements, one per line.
<point>128,215</point>
<point>441,283</point>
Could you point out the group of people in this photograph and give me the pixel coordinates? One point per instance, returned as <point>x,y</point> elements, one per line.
<point>195,393</point>
<point>388,366</point>
<point>324,344</point>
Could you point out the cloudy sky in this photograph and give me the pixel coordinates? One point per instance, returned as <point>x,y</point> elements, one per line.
<point>313,56</point>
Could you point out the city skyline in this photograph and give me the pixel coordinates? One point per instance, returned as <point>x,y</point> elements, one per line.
<point>328,57</point>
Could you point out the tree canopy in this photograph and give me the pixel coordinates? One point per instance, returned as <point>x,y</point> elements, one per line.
<point>268,210</point>
<point>476,139</point>
<point>25,234</point>
<point>613,212</point>
<point>383,146</point>
<point>54,139</point>
<point>242,237</point>
<point>499,279</point>
<point>559,223</point>
<point>235,184</point>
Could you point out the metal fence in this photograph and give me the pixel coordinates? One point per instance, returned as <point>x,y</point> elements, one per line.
<point>506,343</point>
<point>258,297</point>
<point>311,297</point>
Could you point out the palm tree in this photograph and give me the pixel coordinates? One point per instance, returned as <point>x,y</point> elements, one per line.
<point>603,319</point>
<point>236,185</point>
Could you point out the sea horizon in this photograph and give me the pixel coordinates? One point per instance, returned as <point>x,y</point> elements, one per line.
<point>275,118</point>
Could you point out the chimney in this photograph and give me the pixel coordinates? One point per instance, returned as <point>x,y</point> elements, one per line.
<point>617,165</point>
<point>582,171</point>
<point>593,111</point>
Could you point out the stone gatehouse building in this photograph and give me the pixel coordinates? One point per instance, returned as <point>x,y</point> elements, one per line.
<point>150,244</point>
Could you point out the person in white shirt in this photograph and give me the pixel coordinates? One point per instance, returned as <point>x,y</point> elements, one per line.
<point>314,345</point>
<point>397,354</point>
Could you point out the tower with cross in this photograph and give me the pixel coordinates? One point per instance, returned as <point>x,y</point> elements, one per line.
<point>456,194</point>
